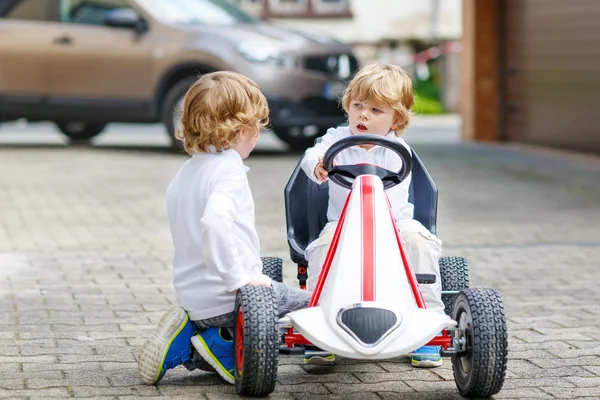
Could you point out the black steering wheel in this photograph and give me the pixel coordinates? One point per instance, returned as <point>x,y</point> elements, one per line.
<point>344,175</point>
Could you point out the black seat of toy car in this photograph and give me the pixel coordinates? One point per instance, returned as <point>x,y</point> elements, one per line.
<point>306,206</point>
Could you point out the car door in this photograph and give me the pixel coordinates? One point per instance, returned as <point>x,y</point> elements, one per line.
<point>99,69</point>
<point>24,52</point>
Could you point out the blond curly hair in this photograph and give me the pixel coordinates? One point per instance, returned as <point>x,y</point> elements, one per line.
<point>216,107</point>
<point>384,84</point>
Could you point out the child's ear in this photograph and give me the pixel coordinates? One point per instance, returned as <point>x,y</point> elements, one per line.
<point>396,122</point>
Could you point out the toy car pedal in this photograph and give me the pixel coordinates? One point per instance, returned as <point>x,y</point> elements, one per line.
<point>425,278</point>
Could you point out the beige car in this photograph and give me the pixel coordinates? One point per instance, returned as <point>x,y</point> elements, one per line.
<point>85,63</point>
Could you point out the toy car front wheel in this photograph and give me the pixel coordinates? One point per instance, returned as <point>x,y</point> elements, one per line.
<point>454,272</point>
<point>480,368</point>
<point>273,268</point>
<point>256,341</point>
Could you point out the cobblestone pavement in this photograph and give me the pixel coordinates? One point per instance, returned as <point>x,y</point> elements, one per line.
<point>85,272</point>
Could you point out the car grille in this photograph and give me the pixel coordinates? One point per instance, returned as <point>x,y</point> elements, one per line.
<point>342,66</point>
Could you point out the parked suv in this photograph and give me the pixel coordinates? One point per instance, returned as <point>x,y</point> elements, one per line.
<point>85,63</point>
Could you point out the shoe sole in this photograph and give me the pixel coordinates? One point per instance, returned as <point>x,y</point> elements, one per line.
<point>317,360</point>
<point>201,347</point>
<point>426,363</point>
<point>151,356</point>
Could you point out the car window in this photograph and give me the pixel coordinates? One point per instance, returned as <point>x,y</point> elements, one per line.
<point>88,12</point>
<point>35,10</point>
<point>205,12</point>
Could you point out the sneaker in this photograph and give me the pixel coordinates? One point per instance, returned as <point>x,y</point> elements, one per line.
<point>215,345</point>
<point>197,362</point>
<point>427,357</point>
<point>318,357</point>
<point>168,347</point>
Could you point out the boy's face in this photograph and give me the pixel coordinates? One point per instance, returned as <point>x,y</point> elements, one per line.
<point>367,117</point>
<point>247,139</point>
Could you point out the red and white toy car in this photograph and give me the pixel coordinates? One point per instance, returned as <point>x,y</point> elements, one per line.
<point>367,304</point>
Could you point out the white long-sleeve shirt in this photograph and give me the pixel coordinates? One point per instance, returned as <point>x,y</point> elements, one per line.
<point>211,216</point>
<point>385,158</point>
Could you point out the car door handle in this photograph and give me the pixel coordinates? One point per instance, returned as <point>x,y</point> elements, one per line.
<point>63,40</point>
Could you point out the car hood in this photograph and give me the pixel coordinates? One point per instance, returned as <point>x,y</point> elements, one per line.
<point>271,35</point>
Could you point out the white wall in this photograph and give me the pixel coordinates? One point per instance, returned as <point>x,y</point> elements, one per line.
<point>374,20</point>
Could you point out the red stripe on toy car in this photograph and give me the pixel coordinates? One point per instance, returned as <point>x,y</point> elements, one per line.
<point>368,238</point>
<point>316,296</point>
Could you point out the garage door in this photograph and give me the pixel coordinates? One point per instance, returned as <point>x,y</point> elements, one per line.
<point>551,72</point>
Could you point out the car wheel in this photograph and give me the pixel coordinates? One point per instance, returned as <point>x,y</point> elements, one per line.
<point>272,267</point>
<point>454,272</point>
<point>480,369</point>
<point>299,138</point>
<point>256,341</point>
<point>171,109</point>
<point>80,130</point>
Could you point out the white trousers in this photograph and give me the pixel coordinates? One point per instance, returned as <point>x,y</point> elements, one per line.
<point>423,248</point>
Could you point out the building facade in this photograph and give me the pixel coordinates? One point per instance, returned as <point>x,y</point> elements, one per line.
<point>372,26</point>
<point>531,72</point>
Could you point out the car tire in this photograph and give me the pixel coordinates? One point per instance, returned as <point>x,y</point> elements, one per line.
<point>299,138</point>
<point>454,272</point>
<point>80,131</point>
<point>480,370</point>
<point>256,341</point>
<point>169,111</point>
<point>273,268</point>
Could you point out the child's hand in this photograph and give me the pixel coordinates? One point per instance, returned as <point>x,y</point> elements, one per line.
<point>320,171</point>
<point>258,282</point>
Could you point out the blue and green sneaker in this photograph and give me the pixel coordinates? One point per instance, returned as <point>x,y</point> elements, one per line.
<point>318,357</point>
<point>215,345</point>
<point>426,357</point>
<point>168,347</point>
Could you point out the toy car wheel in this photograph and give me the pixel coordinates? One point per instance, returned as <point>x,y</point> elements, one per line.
<point>454,272</point>
<point>273,268</point>
<point>480,368</point>
<point>256,341</point>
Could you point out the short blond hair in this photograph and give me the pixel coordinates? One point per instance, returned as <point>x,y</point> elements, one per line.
<point>384,84</point>
<point>216,107</point>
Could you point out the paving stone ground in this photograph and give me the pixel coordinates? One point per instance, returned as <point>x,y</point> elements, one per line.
<point>85,271</point>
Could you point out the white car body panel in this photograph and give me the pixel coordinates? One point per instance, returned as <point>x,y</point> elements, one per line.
<point>352,283</point>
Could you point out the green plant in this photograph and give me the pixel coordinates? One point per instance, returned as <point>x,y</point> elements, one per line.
<point>427,105</point>
<point>427,94</point>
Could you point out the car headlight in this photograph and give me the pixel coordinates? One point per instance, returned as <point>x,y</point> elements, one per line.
<point>265,54</point>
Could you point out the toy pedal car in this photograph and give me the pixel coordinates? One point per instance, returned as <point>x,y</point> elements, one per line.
<point>367,303</point>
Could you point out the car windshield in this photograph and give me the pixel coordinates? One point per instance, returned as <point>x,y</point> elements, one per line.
<point>205,12</point>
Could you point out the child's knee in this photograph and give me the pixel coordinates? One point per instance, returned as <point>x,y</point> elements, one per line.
<point>422,240</point>
<point>316,257</point>
<point>422,244</point>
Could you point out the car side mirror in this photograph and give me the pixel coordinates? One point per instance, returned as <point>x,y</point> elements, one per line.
<point>125,18</point>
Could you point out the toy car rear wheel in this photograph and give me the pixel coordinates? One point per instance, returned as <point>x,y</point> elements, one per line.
<point>273,268</point>
<point>454,272</point>
<point>256,341</point>
<point>479,370</point>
